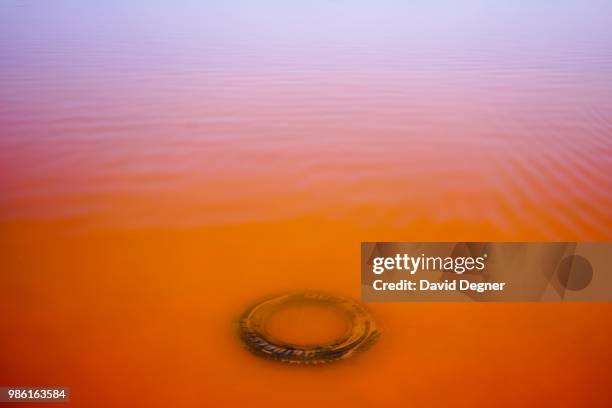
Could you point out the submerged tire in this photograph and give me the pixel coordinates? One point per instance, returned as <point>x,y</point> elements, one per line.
<point>361,335</point>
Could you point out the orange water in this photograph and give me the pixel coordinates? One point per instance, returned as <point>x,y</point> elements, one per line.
<point>163,167</point>
<point>308,324</point>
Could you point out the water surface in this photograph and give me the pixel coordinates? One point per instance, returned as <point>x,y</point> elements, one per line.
<point>165,164</point>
